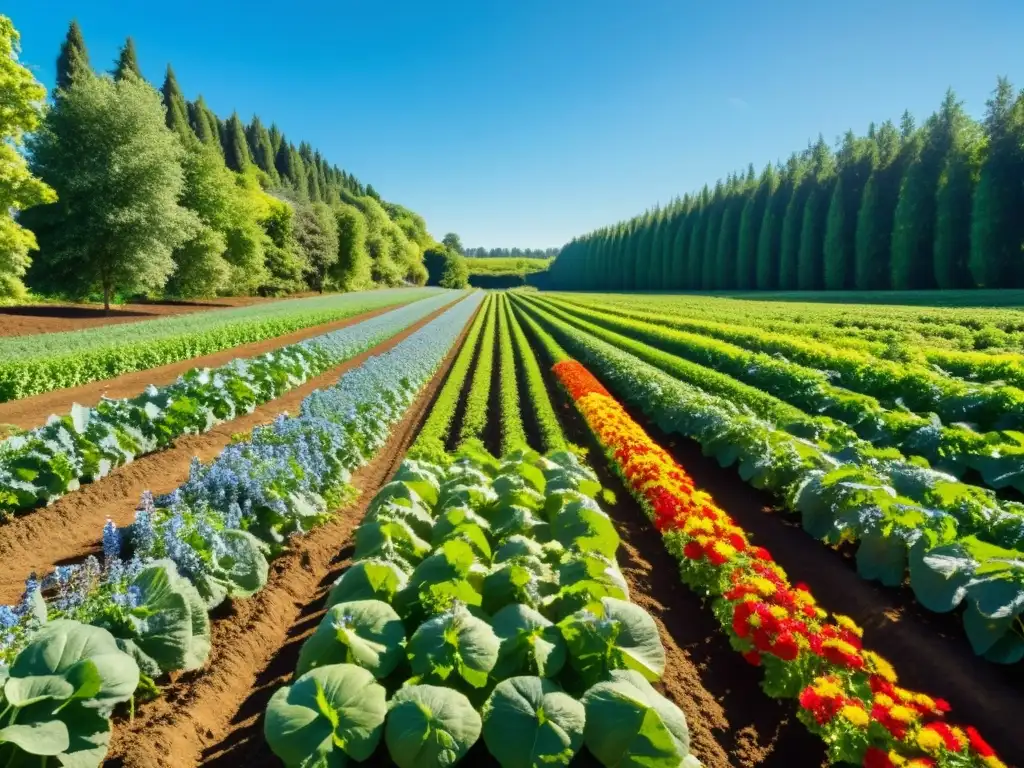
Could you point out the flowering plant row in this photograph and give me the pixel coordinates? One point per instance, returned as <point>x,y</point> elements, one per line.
<point>45,463</point>
<point>212,537</point>
<point>847,694</point>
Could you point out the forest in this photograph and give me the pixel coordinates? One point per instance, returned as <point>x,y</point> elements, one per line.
<point>935,206</point>
<point>185,203</point>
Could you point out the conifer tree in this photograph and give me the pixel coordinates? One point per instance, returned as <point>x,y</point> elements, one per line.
<point>204,123</point>
<point>73,60</point>
<point>127,64</point>
<point>958,179</point>
<point>855,161</point>
<point>873,241</point>
<point>751,219</point>
<point>709,251</point>
<point>645,264</point>
<point>769,239</point>
<point>792,224</point>
<point>174,103</point>
<point>261,149</point>
<point>236,149</point>
<point>695,247</point>
<point>810,257</point>
<point>997,224</point>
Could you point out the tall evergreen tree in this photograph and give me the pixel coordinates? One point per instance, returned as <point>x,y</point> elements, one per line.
<point>792,223</point>
<point>695,247</point>
<point>236,149</point>
<point>997,223</point>
<point>73,60</point>
<point>261,149</point>
<point>872,247</point>
<point>913,236</point>
<point>769,239</point>
<point>751,218</point>
<point>204,123</point>
<point>176,106</point>
<point>958,179</point>
<point>709,253</point>
<point>127,64</point>
<point>855,161</point>
<point>810,258</point>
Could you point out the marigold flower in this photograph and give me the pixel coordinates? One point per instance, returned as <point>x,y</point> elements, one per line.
<point>855,715</point>
<point>877,758</point>
<point>753,658</point>
<point>929,741</point>
<point>978,744</point>
<point>848,624</point>
<point>902,714</point>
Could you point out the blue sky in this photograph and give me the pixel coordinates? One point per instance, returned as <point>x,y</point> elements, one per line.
<point>525,122</point>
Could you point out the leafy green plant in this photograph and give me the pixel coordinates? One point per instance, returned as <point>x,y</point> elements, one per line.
<point>329,714</point>
<point>530,721</point>
<point>630,725</point>
<point>58,694</point>
<point>454,645</point>
<point>430,726</point>
<point>530,644</point>
<point>613,634</point>
<point>367,633</point>
<point>474,420</point>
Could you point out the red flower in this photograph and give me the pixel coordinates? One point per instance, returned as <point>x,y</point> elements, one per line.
<point>877,758</point>
<point>978,744</point>
<point>786,647</point>
<point>693,550</point>
<point>753,658</point>
<point>948,738</point>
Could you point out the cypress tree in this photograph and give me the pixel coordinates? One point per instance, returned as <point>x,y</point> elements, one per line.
<point>856,160</point>
<point>751,219</point>
<point>792,223</point>
<point>957,183</point>
<point>769,238</point>
<point>236,149</point>
<point>728,237</point>
<point>695,246</point>
<point>997,225</point>
<point>913,236</point>
<point>709,253</point>
<point>674,217</point>
<point>177,109</point>
<point>681,245</point>
<point>204,123</point>
<point>644,264</point>
<point>261,149</point>
<point>810,258</point>
<point>73,60</point>
<point>872,246</point>
<point>276,138</point>
<point>127,64</point>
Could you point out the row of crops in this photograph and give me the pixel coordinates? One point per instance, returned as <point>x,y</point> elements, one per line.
<point>956,542</point>
<point>485,613</point>
<point>30,365</point>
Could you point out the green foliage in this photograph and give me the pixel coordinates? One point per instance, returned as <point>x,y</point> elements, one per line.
<point>316,232</point>
<point>117,220</point>
<point>474,420</point>
<point>127,64</point>
<point>513,433</point>
<point>351,271</point>
<point>529,721</point>
<point>20,114</point>
<point>430,726</point>
<point>73,61</point>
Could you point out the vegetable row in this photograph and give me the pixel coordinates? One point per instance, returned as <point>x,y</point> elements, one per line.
<point>917,387</point>
<point>513,432</point>
<point>43,464</point>
<point>474,418</point>
<point>957,545</point>
<point>212,538</point>
<point>39,363</point>
<point>847,694</point>
<point>998,457</point>
<point>484,604</point>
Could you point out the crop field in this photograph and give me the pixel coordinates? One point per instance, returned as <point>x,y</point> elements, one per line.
<point>422,527</point>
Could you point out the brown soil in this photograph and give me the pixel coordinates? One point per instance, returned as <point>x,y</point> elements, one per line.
<point>732,722</point>
<point>929,651</point>
<point>70,528</point>
<point>215,715</point>
<point>27,319</point>
<point>33,411</point>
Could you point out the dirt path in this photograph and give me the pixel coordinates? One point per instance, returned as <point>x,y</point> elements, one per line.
<point>732,722</point>
<point>215,714</point>
<point>70,528</point>
<point>930,651</point>
<point>33,411</point>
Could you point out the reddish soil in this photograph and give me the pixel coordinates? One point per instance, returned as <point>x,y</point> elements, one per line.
<point>33,411</point>
<point>929,651</point>
<point>215,715</point>
<point>70,528</point>
<point>27,319</point>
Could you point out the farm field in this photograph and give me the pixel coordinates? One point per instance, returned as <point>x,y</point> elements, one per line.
<point>521,528</point>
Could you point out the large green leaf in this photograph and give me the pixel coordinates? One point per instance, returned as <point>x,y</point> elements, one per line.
<point>940,576</point>
<point>422,478</point>
<point>530,721</point>
<point>630,725</point>
<point>454,645</point>
<point>46,738</point>
<point>882,558</point>
<point>585,528</point>
<point>530,644</point>
<point>370,579</point>
<point>367,633</point>
<point>610,635</point>
<point>390,540</point>
<point>329,710</point>
<point>430,726</point>
<point>523,580</point>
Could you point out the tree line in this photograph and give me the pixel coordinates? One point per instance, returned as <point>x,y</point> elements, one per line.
<point>126,189</point>
<point>510,253</point>
<point>903,207</point>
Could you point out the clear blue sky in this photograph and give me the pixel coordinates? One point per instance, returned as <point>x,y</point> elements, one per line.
<point>525,122</point>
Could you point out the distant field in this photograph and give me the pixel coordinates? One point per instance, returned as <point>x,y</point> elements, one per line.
<point>1008,298</point>
<point>503,267</point>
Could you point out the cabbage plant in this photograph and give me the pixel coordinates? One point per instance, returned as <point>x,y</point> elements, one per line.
<point>530,721</point>
<point>610,635</point>
<point>367,633</point>
<point>328,715</point>
<point>530,644</point>
<point>455,646</point>
<point>430,726</point>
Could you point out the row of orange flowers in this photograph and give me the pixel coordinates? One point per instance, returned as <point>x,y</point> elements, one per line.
<point>847,694</point>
